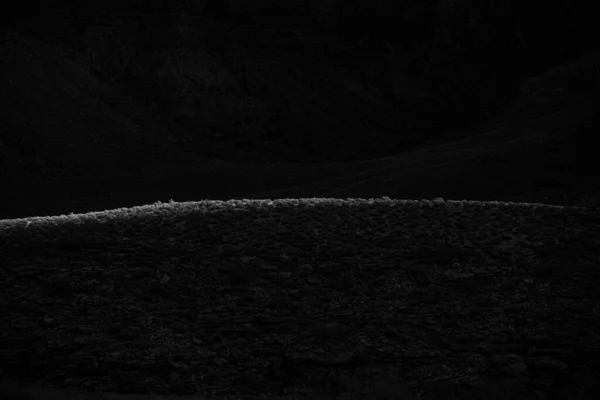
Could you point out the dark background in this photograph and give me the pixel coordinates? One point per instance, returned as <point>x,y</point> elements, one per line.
<point>306,81</point>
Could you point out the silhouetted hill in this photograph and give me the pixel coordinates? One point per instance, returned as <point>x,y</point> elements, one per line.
<point>141,107</point>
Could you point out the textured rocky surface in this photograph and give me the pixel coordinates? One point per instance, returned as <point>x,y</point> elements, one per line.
<point>445,298</point>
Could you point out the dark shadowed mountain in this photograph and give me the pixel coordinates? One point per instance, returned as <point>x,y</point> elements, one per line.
<point>138,108</point>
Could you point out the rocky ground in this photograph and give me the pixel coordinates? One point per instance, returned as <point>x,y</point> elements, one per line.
<point>306,299</point>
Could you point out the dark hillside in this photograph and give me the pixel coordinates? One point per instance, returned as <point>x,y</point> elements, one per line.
<point>106,104</point>
<point>105,108</point>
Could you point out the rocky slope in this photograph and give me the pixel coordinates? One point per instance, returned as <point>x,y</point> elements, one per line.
<point>245,298</point>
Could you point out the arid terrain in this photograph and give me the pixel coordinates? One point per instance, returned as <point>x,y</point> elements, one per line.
<point>315,298</point>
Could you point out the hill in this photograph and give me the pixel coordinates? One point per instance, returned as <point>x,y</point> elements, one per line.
<point>336,299</point>
<point>92,122</point>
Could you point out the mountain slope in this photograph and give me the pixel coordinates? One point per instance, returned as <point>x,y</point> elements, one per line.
<point>532,160</point>
<point>74,141</point>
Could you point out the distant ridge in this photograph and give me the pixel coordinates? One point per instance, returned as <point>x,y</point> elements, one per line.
<point>456,206</point>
